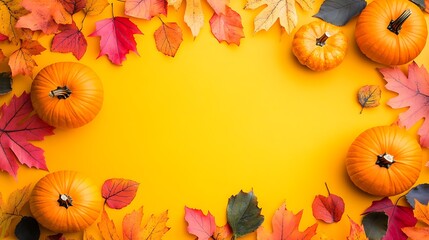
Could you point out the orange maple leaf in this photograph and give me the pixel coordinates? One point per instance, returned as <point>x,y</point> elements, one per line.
<point>107,227</point>
<point>46,18</point>
<point>421,212</point>
<point>21,61</point>
<point>168,38</point>
<point>285,227</point>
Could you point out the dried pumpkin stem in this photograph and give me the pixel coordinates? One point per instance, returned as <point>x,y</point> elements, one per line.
<point>60,92</point>
<point>385,160</point>
<point>396,25</point>
<point>321,41</point>
<point>65,200</point>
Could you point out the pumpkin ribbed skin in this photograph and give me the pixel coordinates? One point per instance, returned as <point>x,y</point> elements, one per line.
<point>319,58</point>
<point>378,180</point>
<point>384,46</point>
<point>86,200</point>
<point>84,102</point>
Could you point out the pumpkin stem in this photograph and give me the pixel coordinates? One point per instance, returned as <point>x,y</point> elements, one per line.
<point>396,25</point>
<point>385,160</point>
<point>60,92</point>
<point>65,201</point>
<point>321,41</point>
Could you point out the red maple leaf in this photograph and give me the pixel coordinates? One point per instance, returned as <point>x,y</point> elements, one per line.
<point>119,192</point>
<point>399,217</point>
<point>70,39</point>
<point>227,27</point>
<point>413,92</point>
<point>145,9</point>
<point>17,128</point>
<point>116,38</point>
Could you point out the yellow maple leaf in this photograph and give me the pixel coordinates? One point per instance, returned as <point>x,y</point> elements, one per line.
<point>10,12</point>
<point>156,227</point>
<point>95,7</point>
<point>12,208</point>
<point>282,10</point>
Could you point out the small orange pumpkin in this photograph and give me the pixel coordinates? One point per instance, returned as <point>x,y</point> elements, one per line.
<point>319,45</point>
<point>391,32</point>
<point>67,94</point>
<point>65,201</point>
<point>384,161</point>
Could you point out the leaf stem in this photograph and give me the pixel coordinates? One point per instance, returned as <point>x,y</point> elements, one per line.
<point>113,14</point>
<point>83,20</point>
<point>327,188</point>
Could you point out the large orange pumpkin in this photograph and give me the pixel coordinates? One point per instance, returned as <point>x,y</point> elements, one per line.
<point>391,32</point>
<point>67,94</point>
<point>65,201</point>
<point>384,161</point>
<point>319,45</point>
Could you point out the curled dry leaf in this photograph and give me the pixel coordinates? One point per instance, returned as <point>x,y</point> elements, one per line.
<point>369,96</point>
<point>119,192</point>
<point>168,38</point>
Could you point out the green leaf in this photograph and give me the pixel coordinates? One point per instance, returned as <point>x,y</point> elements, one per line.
<point>27,229</point>
<point>339,12</point>
<point>375,225</point>
<point>243,214</point>
<point>420,193</point>
<point>5,82</point>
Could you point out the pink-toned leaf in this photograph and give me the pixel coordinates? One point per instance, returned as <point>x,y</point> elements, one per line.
<point>21,61</point>
<point>17,128</point>
<point>70,39</point>
<point>145,9</point>
<point>200,225</point>
<point>117,38</point>
<point>227,27</point>
<point>73,6</point>
<point>219,6</point>
<point>119,192</point>
<point>329,209</point>
<point>45,15</point>
<point>398,217</point>
<point>131,225</point>
<point>168,38</point>
<point>413,93</point>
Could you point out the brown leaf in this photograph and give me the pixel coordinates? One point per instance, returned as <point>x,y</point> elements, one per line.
<point>107,227</point>
<point>95,7</point>
<point>156,227</point>
<point>168,38</point>
<point>21,61</point>
<point>369,96</point>
<point>131,225</point>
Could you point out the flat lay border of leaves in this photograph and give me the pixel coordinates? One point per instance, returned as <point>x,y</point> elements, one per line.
<point>243,214</point>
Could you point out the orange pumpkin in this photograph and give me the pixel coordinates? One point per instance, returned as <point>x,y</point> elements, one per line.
<point>384,161</point>
<point>65,201</point>
<point>67,94</point>
<point>319,45</point>
<point>391,32</point>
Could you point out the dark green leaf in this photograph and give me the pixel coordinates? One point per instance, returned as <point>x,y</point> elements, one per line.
<point>27,229</point>
<point>420,192</point>
<point>375,225</point>
<point>339,12</point>
<point>244,215</point>
<point>420,3</point>
<point>5,82</point>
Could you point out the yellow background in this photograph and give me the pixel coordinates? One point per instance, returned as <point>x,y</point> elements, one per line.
<point>216,119</point>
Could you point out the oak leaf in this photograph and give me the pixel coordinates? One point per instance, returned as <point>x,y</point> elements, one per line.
<point>107,227</point>
<point>17,127</point>
<point>356,231</point>
<point>145,9</point>
<point>227,26</point>
<point>397,217</point>
<point>168,38</point>
<point>46,18</point>
<point>243,214</point>
<point>413,92</point>
<point>116,38</point>
<point>131,225</point>
<point>286,227</point>
<point>369,96</point>
<point>95,7</point>
<point>12,208</point>
<point>118,192</point>
<point>329,209</point>
<point>201,225</point>
<point>10,12</point>
<point>21,60</point>
<point>156,227</point>
<point>219,6</point>
<point>283,10</point>
<point>69,39</point>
